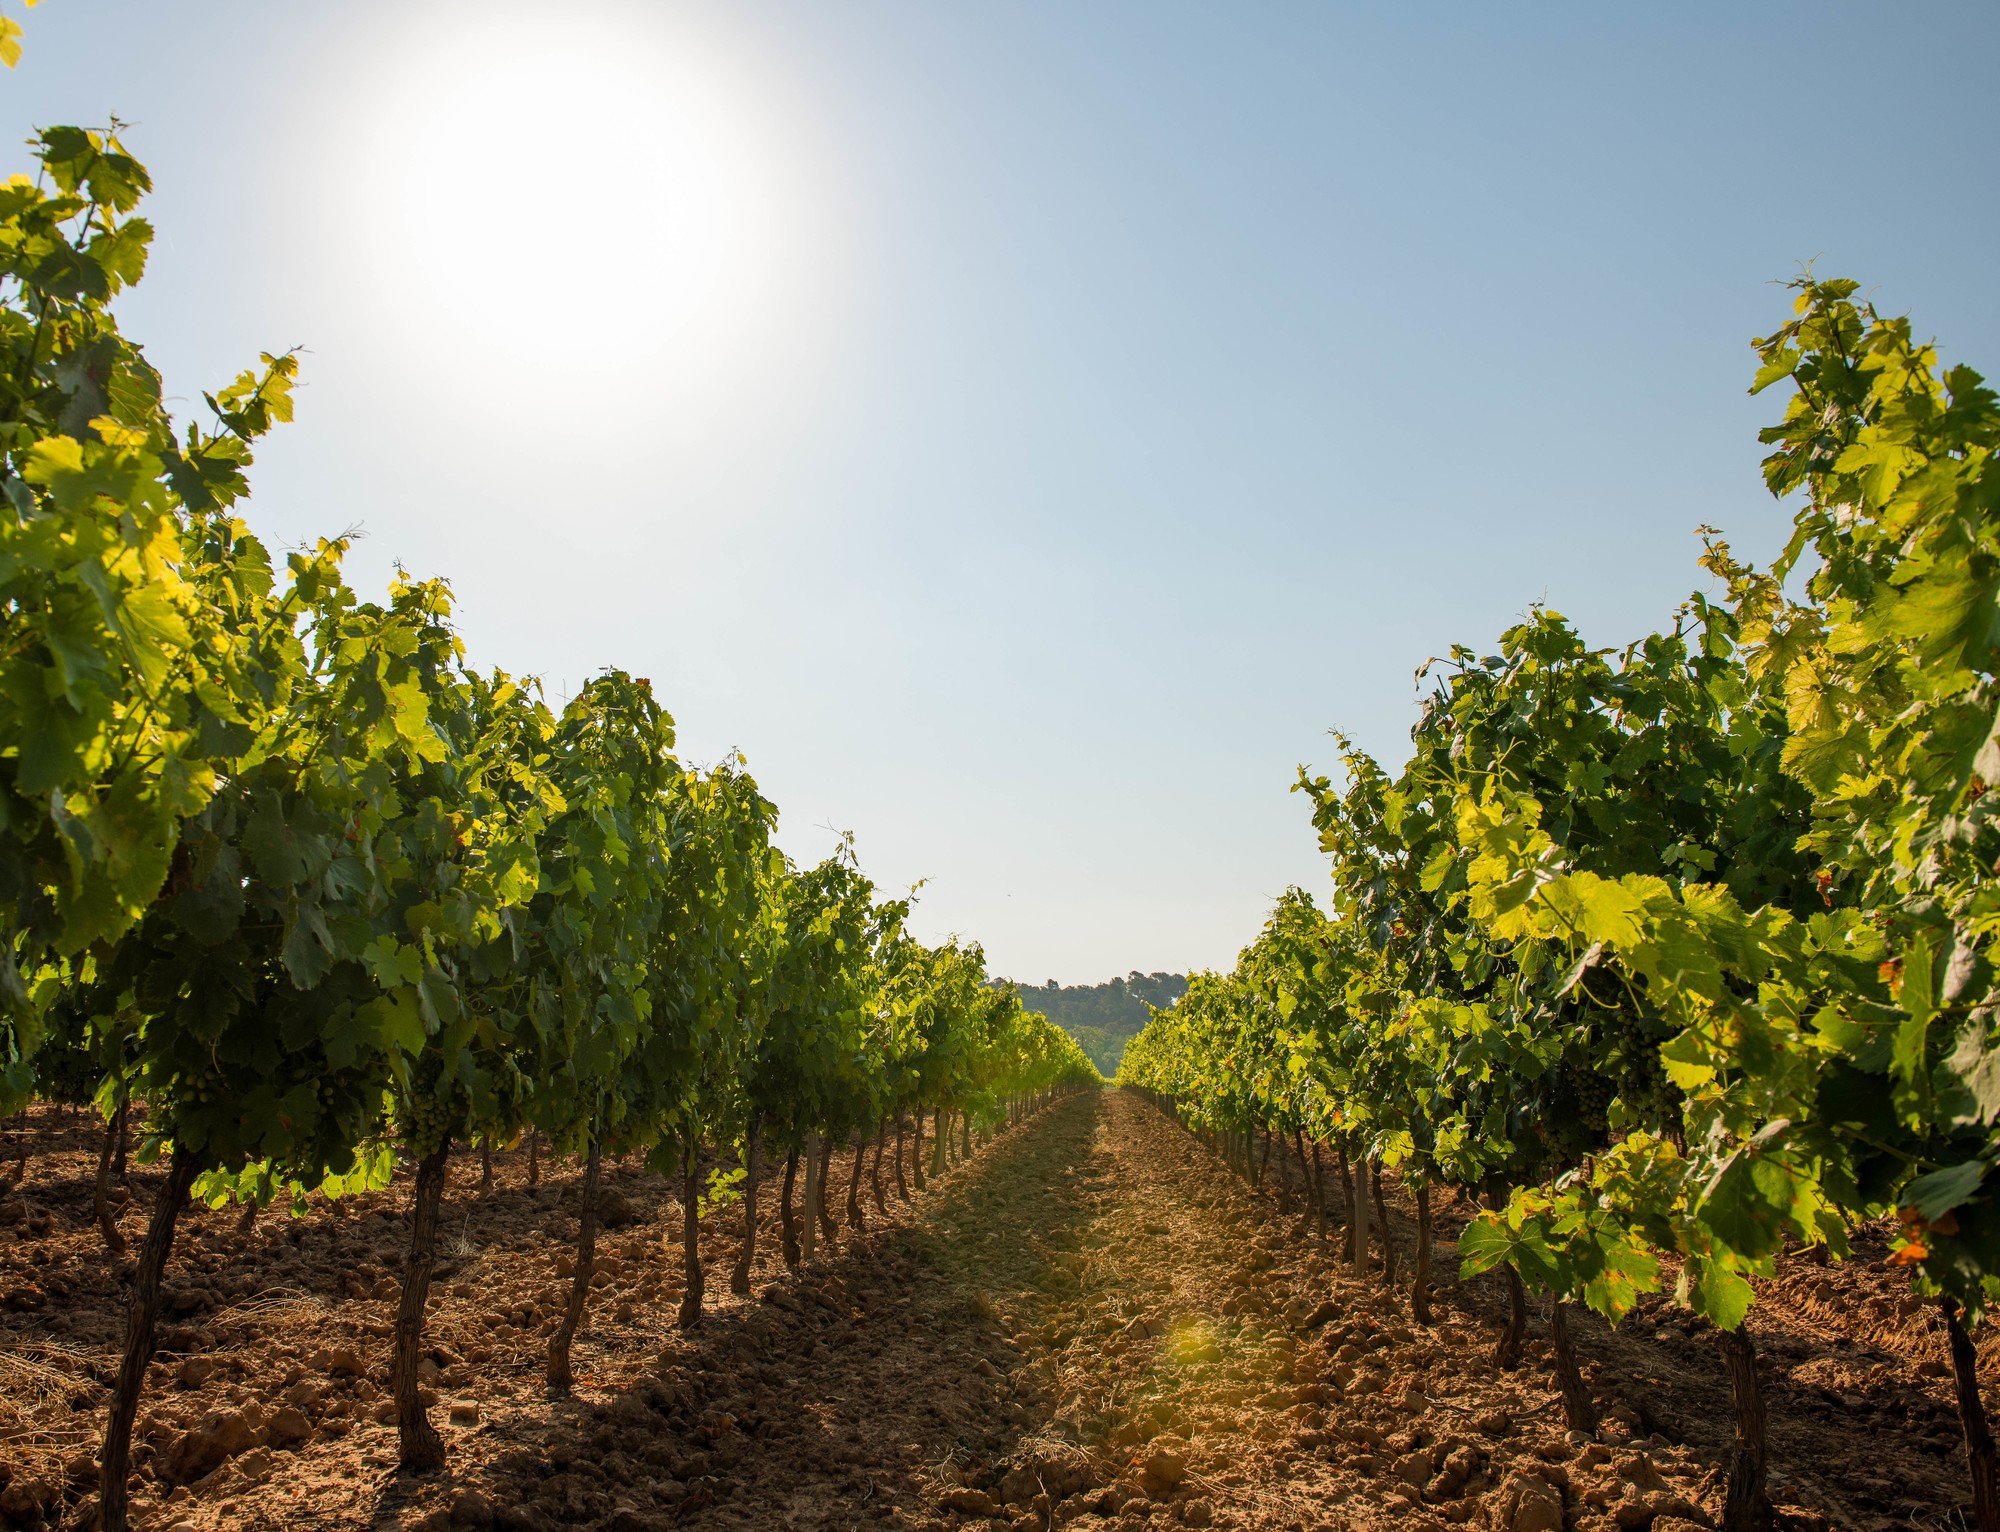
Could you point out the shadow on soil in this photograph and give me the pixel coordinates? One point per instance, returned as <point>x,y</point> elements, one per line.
<point>880,1378</point>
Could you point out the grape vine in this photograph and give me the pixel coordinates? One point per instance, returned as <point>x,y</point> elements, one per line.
<point>1680,956</point>
<point>279,866</point>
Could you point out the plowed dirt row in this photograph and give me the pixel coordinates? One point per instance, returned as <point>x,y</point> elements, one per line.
<point>1092,1324</point>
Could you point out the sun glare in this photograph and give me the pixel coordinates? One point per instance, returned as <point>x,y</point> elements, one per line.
<point>605,182</point>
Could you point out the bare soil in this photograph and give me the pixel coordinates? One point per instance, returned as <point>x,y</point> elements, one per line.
<point>1091,1324</point>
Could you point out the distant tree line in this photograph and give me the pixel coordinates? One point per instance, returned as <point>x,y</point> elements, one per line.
<point>1104,1017</point>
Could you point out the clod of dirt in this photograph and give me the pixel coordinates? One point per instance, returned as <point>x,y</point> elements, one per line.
<point>1326,1313</point>
<point>288,1426</point>
<point>339,1362</point>
<point>25,1499</point>
<point>1531,1504</point>
<point>220,1435</point>
<point>615,1210</point>
<point>1166,1465</point>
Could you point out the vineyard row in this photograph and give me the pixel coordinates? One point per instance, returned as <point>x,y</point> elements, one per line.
<point>1680,956</point>
<point>279,867</point>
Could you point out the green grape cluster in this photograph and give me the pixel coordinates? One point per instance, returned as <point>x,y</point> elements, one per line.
<point>1629,1052</point>
<point>1575,1112</point>
<point>201,1089</point>
<point>423,1120</point>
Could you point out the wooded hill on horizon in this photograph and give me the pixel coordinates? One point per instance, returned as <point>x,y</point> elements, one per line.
<point>1103,1018</point>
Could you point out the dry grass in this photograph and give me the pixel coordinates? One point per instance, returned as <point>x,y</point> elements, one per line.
<point>38,1429</point>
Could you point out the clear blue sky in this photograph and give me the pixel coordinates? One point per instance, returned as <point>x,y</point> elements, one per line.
<point>1025,429</point>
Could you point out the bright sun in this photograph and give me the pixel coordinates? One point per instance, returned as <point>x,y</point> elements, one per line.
<point>596,177</point>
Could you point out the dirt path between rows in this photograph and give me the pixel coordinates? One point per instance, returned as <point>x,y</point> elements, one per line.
<point>1092,1324</point>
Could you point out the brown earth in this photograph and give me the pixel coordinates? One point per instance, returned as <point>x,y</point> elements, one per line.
<point>1093,1324</point>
